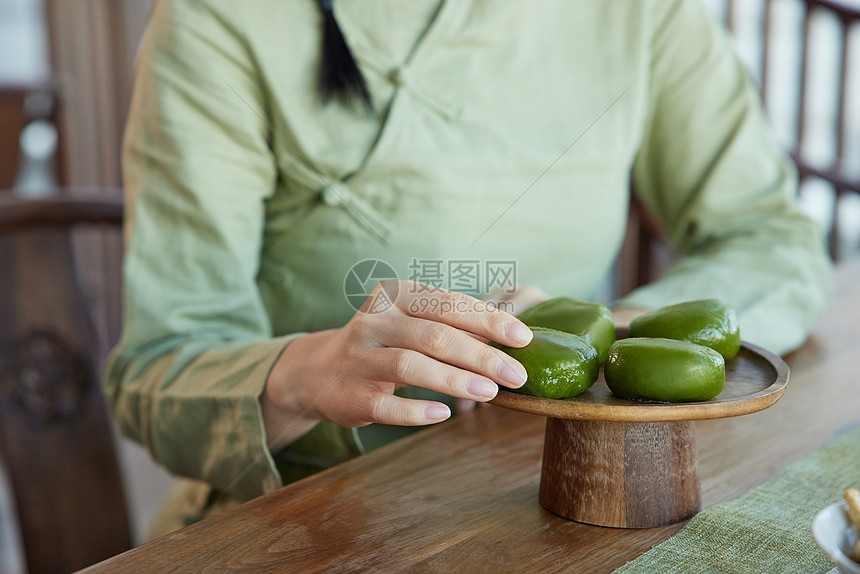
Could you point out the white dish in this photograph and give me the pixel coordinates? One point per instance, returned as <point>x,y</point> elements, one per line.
<point>835,535</point>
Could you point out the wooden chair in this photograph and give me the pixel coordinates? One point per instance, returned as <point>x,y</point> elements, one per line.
<point>645,252</point>
<point>56,436</point>
<point>13,118</point>
<point>16,111</point>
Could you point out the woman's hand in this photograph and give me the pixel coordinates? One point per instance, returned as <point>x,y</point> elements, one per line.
<point>429,337</point>
<point>518,301</point>
<point>513,303</point>
<point>623,316</point>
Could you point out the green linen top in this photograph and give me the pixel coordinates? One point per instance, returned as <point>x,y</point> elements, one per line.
<point>503,130</point>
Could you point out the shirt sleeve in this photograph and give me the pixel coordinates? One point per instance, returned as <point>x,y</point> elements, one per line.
<point>710,174</point>
<point>197,344</point>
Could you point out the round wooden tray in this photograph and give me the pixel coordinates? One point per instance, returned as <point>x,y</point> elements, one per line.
<point>755,379</point>
<point>629,464</point>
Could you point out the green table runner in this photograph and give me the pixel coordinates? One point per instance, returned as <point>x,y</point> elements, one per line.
<point>767,529</point>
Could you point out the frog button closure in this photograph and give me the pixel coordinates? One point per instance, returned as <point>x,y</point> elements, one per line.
<point>399,76</point>
<point>334,192</point>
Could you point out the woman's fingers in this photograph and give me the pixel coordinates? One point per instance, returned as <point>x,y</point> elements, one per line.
<point>454,347</point>
<point>431,338</point>
<point>463,312</point>
<point>528,296</point>
<point>497,295</point>
<point>393,410</point>
<point>518,301</point>
<point>625,315</point>
<point>413,368</point>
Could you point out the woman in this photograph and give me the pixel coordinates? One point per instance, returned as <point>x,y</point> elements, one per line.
<point>479,131</point>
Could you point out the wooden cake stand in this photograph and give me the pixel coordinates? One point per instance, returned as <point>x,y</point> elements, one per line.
<point>628,464</point>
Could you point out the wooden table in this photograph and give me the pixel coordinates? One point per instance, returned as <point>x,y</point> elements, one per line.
<point>463,496</point>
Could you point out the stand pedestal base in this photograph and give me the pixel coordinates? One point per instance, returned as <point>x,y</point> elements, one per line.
<point>620,474</point>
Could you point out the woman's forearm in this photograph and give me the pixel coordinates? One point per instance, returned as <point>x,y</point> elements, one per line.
<point>285,417</point>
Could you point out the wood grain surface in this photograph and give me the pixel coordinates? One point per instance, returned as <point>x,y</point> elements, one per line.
<point>620,474</point>
<point>463,496</point>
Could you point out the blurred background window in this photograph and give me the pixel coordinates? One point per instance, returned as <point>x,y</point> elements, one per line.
<point>23,43</point>
<point>804,55</point>
<point>833,56</point>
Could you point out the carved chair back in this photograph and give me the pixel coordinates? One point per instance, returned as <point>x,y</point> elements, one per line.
<point>56,436</point>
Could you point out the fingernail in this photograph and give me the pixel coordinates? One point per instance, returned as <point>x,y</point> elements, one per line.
<point>518,333</point>
<point>513,373</point>
<point>482,388</point>
<point>436,413</point>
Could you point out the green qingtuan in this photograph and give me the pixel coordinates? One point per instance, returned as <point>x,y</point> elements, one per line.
<point>558,364</point>
<point>707,322</point>
<point>664,370</point>
<point>591,321</point>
